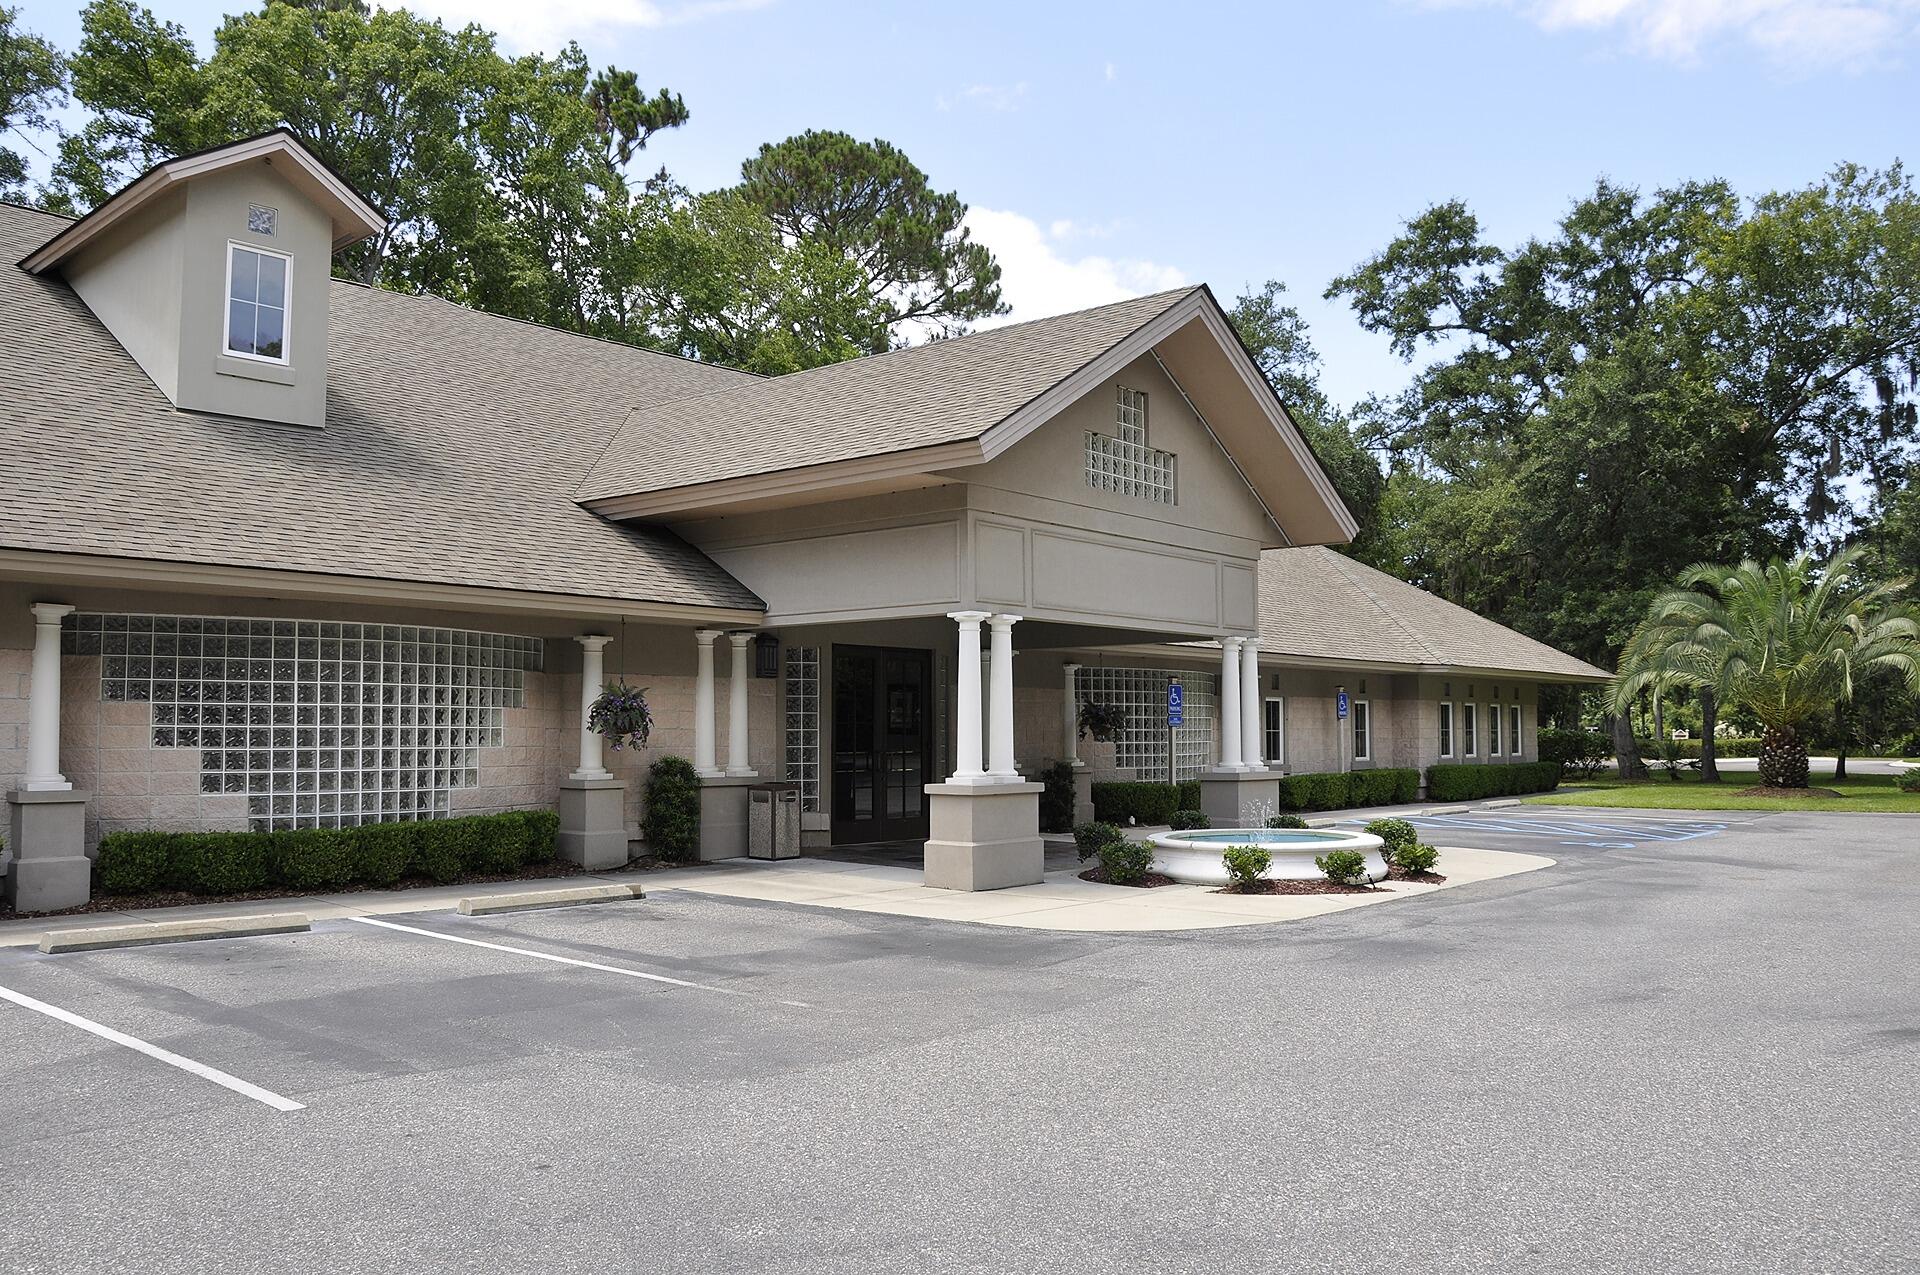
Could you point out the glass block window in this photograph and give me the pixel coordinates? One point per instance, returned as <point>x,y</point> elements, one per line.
<point>1122,462</point>
<point>803,723</point>
<point>319,724</point>
<point>256,303</point>
<point>1142,692</point>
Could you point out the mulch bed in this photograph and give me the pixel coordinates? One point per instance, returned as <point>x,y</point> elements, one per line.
<point>180,898</point>
<point>1791,792</point>
<point>1424,878</point>
<point>1152,879</point>
<point>1313,885</point>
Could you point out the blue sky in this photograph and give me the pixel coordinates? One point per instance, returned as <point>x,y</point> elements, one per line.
<point>1115,148</point>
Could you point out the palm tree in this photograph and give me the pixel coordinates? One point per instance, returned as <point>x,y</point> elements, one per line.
<point>1784,641</point>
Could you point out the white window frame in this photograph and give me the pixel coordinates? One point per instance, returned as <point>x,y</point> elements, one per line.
<point>1273,729</point>
<point>1469,734</point>
<point>1447,741</point>
<point>1358,709</point>
<point>286,308</point>
<point>1514,747</point>
<point>1493,730</point>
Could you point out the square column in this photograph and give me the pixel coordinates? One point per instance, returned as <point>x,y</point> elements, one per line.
<point>47,833</point>
<point>1250,724</point>
<point>1230,706</point>
<point>1000,765</point>
<point>43,703</point>
<point>967,767</point>
<point>738,672</point>
<point>1070,747</point>
<point>984,836</point>
<point>703,751</point>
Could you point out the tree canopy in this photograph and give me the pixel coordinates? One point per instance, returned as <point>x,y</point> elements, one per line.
<point>32,82</point>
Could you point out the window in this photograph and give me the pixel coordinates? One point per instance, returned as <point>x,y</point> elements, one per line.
<point>256,303</point>
<point>1362,713</point>
<point>1446,730</point>
<point>1142,692</point>
<point>1493,730</point>
<point>1468,744</point>
<point>803,723</point>
<point>1513,736</point>
<point>1122,462</point>
<point>1275,731</point>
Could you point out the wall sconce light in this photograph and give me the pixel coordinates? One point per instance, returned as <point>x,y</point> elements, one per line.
<point>766,656</point>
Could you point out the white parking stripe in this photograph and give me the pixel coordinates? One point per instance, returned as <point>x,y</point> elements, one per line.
<point>167,1056</point>
<point>562,960</point>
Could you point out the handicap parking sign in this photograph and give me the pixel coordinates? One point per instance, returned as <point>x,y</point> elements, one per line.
<point>1341,704</point>
<point>1176,704</point>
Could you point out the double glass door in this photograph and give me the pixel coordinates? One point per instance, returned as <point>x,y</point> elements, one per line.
<point>882,743</point>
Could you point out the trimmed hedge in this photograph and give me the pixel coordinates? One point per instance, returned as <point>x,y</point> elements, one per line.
<point>1723,746</point>
<point>672,821</point>
<point>1333,790</point>
<point>1468,783</point>
<point>306,859</point>
<point>1146,804</point>
<point>1056,798</point>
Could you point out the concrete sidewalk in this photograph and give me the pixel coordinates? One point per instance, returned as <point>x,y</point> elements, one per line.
<point>1061,902</point>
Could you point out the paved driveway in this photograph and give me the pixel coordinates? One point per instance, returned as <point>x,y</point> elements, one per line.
<point>1543,830</point>
<point>1684,1055</point>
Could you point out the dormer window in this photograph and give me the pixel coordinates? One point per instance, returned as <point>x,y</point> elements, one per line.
<point>256,303</point>
<point>1122,462</point>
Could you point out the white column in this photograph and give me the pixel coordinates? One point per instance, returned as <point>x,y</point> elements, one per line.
<point>1250,723</point>
<point>986,703</point>
<point>1071,755</point>
<point>1230,704</point>
<point>43,706</point>
<point>737,675</point>
<point>966,759</point>
<point>703,759</point>
<point>592,679</point>
<point>1000,764</point>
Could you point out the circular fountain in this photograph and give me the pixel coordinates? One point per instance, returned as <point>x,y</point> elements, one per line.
<point>1194,856</point>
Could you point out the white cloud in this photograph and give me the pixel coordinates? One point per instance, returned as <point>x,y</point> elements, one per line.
<point>1112,72</point>
<point>1038,279</point>
<point>1797,34</point>
<point>548,26</point>
<point>991,97</point>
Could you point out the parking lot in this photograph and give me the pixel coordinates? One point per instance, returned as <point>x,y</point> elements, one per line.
<point>1543,831</point>
<point>1691,1053</point>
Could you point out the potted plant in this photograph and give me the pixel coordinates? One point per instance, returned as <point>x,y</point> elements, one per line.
<point>620,715</point>
<point>1103,722</point>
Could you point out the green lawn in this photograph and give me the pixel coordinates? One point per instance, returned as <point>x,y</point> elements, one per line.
<point>1869,794</point>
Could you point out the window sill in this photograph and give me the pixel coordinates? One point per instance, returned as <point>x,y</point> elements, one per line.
<point>253,369</point>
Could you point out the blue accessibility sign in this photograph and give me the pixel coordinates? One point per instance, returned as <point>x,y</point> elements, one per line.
<point>1341,704</point>
<point>1176,704</point>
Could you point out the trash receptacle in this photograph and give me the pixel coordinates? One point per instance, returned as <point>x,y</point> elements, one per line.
<point>773,821</point>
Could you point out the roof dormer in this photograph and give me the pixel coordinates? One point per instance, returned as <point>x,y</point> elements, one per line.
<point>211,270</point>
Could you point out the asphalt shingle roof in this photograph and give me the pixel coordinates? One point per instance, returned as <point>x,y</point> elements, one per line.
<point>453,445</point>
<point>922,396</point>
<point>1319,604</point>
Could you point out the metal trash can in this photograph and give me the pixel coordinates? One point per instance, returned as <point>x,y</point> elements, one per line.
<point>773,821</point>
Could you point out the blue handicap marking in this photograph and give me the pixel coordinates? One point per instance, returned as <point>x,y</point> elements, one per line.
<point>1341,705</point>
<point>1176,704</point>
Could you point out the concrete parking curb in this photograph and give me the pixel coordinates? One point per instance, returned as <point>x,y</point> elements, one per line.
<point>1445,810</point>
<point>229,927</point>
<point>1505,803</point>
<point>489,904</point>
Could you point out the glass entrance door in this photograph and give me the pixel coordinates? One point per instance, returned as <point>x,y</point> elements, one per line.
<point>882,743</point>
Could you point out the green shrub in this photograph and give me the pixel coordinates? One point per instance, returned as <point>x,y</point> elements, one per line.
<point>1416,858</point>
<point>1185,819</point>
<point>1246,864</point>
<point>1910,781</point>
<point>1332,790</point>
<point>383,852</point>
<point>1189,794</point>
<point>133,862</point>
<point>1689,749</point>
<point>314,858</point>
<point>1469,783</point>
<point>1398,835</point>
<point>447,849</point>
<point>1286,821</point>
<point>1125,862</point>
<point>1343,867</point>
<point>1139,802</point>
<point>1091,838</point>
<point>673,810</point>
<point>539,835</point>
<point>1056,798</point>
<point>221,862</point>
<point>1579,752</point>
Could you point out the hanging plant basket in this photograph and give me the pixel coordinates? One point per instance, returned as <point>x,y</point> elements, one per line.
<point>1103,722</point>
<point>621,717</point>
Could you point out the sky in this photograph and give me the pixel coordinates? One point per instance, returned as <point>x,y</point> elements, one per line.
<point>1110,149</point>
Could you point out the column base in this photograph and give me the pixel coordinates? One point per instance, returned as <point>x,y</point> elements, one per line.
<point>984,836</point>
<point>47,834</point>
<point>723,817</point>
<point>593,822</point>
<point>1239,799</point>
